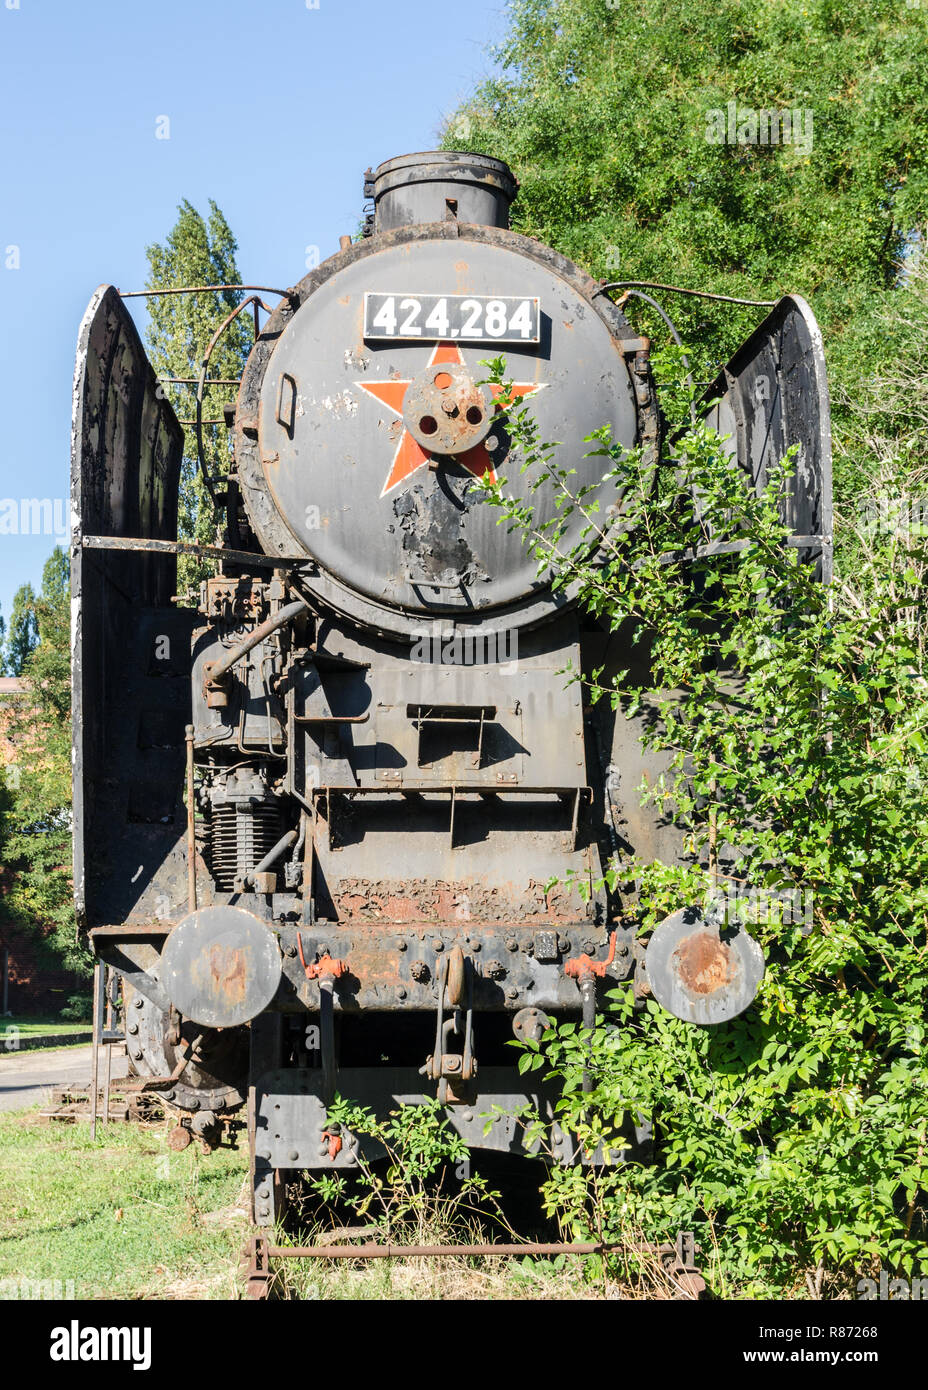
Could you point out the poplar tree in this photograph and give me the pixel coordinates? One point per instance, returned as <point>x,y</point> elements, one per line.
<point>24,631</point>
<point>197,251</point>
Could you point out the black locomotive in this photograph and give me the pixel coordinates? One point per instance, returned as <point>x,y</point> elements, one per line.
<point>316,813</point>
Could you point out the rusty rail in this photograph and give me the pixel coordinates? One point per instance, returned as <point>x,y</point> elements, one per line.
<point>204,289</point>
<point>200,552</point>
<point>678,1259</point>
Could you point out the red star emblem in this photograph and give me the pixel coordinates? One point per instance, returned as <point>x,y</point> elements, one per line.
<point>409,455</point>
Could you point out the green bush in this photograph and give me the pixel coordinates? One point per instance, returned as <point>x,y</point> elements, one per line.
<point>792,717</point>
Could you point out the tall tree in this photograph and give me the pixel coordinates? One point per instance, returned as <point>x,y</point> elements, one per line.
<point>637,130</point>
<point>24,629</point>
<point>197,251</point>
<point>35,815</point>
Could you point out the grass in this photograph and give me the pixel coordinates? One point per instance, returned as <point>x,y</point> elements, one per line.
<point>32,1024</point>
<point>40,1051</point>
<point>122,1217</point>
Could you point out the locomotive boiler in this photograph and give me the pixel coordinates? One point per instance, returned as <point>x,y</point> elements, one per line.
<point>319,808</point>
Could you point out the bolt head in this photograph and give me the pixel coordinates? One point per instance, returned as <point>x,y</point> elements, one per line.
<point>512,944</point>
<point>401,993</point>
<point>137,1054</point>
<point>438,945</point>
<point>401,945</point>
<point>512,993</point>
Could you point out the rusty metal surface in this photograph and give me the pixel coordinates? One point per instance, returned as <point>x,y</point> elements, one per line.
<point>701,973</point>
<point>221,966</point>
<point>396,968</point>
<point>213,1079</point>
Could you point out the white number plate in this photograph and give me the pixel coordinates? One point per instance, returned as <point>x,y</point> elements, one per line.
<point>472,318</point>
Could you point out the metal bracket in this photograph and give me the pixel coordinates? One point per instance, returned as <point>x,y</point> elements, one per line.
<point>454,1071</point>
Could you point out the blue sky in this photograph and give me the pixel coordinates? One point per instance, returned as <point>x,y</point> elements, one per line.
<point>276,109</point>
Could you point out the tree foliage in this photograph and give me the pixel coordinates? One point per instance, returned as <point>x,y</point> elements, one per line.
<point>603,112</point>
<point>35,817</point>
<point>197,251</point>
<point>24,630</point>
<point>792,720</point>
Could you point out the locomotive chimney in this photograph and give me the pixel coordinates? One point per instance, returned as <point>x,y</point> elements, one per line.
<point>438,185</point>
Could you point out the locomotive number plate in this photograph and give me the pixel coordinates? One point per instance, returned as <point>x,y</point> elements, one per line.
<point>471,318</point>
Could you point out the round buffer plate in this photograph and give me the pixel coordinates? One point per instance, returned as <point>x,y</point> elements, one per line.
<point>700,972</point>
<point>221,966</point>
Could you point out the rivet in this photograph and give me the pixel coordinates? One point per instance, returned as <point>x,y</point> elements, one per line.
<point>512,945</point>
<point>401,945</point>
<point>468,1115</point>
<point>512,993</point>
<point>438,945</point>
<point>293,1155</point>
<point>137,1054</point>
<point>401,993</point>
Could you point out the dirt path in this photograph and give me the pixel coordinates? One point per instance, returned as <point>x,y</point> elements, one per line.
<point>26,1078</point>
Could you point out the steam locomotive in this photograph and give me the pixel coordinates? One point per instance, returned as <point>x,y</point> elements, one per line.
<point>317,812</point>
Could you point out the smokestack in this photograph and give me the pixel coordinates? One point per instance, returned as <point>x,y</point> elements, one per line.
<point>440,184</point>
